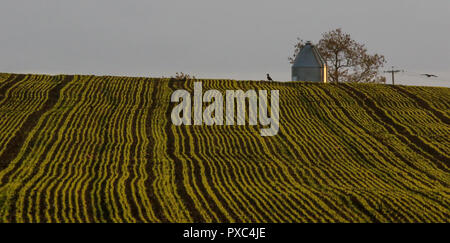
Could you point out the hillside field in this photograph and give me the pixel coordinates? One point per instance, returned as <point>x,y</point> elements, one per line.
<point>104,149</point>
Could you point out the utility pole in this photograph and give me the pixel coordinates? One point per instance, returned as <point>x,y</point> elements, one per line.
<point>393,72</point>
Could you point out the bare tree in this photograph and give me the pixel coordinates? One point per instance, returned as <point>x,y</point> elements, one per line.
<point>298,47</point>
<point>182,76</point>
<point>347,60</point>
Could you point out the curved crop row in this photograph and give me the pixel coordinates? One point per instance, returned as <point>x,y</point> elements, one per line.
<point>103,149</point>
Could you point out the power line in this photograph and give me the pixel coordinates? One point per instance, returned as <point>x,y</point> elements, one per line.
<point>422,76</point>
<point>393,72</point>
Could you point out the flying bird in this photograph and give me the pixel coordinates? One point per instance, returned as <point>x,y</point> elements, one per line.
<point>429,75</point>
<point>269,78</point>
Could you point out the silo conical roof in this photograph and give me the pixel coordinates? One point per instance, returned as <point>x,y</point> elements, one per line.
<point>309,56</point>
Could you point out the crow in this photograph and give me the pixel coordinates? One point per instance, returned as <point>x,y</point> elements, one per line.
<point>429,75</point>
<point>269,78</point>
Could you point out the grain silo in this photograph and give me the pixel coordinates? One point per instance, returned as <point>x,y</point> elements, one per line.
<point>309,65</point>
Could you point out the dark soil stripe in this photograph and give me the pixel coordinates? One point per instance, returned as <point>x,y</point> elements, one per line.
<point>181,189</point>
<point>56,197</point>
<point>97,151</point>
<point>16,143</point>
<point>423,104</point>
<point>134,207</point>
<point>14,78</point>
<point>108,187</point>
<point>393,150</point>
<point>371,134</point>
<point>294,175</point>
<point>363,209</point>
<point>13,147</point>
<point>234,177</point>
<point>217,192</point>
<point>440,160</point>
<point>149,123</point>
<point>123,89</point>
<point>33,198</point>
<point>212,204</point>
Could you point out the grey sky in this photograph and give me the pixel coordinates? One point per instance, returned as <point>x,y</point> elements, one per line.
<point>238,39</point>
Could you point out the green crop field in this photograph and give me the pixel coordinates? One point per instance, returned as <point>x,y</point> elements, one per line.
<point>103,149</point>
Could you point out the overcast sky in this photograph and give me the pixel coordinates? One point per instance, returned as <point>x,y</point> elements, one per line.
<point>238,39</point>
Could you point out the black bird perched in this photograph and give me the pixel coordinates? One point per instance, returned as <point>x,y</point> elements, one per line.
<point>429,75</point>
<point>269,78</point>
